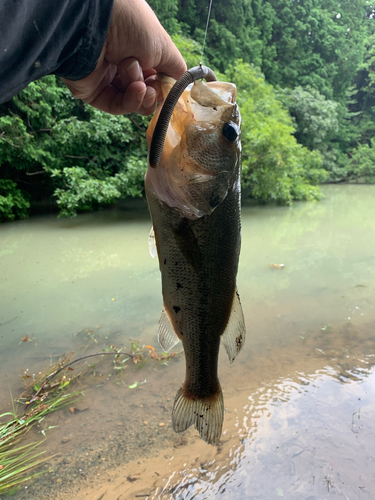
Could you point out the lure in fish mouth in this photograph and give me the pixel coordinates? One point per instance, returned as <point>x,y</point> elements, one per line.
<point>160,131</point>
<point>193,191</point>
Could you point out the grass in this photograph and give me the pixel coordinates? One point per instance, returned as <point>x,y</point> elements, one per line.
<point>17,461</point>
<point>44,396</point>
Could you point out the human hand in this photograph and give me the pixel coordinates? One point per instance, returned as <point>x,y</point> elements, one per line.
<point>137,47</point>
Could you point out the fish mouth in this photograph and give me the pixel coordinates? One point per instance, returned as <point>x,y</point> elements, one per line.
<point>158,138</point>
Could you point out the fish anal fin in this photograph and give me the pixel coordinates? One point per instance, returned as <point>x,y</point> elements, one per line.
<point>166,335</point>
<point>206,415</point>
<point>234,334</point>
<point>152,243</point>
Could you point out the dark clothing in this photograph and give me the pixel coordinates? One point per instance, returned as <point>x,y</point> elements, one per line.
<point>43,37</point>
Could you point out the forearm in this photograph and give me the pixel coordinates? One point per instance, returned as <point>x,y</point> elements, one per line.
<point>42,37</point>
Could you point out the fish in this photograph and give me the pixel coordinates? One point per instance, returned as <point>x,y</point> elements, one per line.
<point>194,198</point>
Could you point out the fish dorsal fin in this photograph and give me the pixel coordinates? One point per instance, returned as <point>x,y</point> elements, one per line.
<point>152,243</point>
<point>233,337</point>
<point>166,335</point>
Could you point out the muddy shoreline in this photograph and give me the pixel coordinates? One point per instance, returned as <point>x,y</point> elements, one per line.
<point>122,443</point>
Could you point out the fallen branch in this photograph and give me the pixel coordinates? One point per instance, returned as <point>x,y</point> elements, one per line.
<point>71,363</point>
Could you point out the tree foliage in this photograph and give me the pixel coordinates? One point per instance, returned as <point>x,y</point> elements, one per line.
<point>233,30</point>
<point>310,42</point>
<point>316,117</point>
<point>319,124</point>
<point>361,145</point>
<point>316,121</point>
<point>318,43</point>
<point>166,10</point>
<point>13,203</point>
<point>274,166</point>
<point>361,166</point>
<point>54,144</point>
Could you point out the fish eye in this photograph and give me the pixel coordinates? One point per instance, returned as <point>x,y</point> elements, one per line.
<point>230,131</point>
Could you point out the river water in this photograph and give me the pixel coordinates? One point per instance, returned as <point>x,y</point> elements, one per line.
<point>299,400</point>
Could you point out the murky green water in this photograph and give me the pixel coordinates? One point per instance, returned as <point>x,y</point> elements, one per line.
<point>299,400</point>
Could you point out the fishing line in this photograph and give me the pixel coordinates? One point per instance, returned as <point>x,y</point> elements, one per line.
<point>205,35</point>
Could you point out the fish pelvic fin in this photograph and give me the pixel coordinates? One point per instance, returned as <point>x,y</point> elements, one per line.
<point>166,335</point>
<point>206,414</point>
<point>234,334</point>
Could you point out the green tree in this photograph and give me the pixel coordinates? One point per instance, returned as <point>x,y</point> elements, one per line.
<point>318,43</point>
<point>50,143</point>
<point>13,203</point>
<point>361,165</point>
<point>310,42</point>
<point>233,31</point>
<point>316,121</point>
<point>274,166</point>
<point>166,10</point>
<point>315,116</point>
<point>359,130</point>
<point>190,49</point>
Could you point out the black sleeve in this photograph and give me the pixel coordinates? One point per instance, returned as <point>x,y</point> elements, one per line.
<point>43,37</point>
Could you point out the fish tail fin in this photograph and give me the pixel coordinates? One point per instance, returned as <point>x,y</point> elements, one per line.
<point>207,415</point>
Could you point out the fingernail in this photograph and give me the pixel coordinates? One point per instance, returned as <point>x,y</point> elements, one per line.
<point>141,94</point>
<point>134,72</point>
<point>151,79</point>
<point>149,100</point>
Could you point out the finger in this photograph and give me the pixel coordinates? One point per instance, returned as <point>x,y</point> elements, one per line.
<point>154,82</point>
<point>89,88</point>
<point>112,100</point>
<point>148,73</point>
<point>130,71</point>
<point>149,78</point>
<point>118,84</point>
<point>150,98</point>
<point>148,111</point>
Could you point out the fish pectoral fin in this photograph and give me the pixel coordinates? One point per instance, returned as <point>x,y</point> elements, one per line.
<point>234,334</point>
<point>152,243</point>
<point>166,335</point>
<point>207,415</point>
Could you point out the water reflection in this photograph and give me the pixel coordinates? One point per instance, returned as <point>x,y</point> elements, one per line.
<point>308,436</point>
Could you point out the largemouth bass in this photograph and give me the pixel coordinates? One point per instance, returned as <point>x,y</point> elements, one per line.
<point>194,200</point>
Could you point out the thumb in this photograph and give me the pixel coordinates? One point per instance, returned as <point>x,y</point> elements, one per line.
<point>171,61</point>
